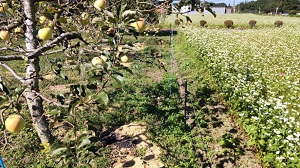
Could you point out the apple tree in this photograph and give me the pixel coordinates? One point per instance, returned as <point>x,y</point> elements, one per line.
<point>69,35</point>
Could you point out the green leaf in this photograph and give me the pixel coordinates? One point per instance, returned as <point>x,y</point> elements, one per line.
<point>3,99</point>
<point>72,106</point>
<point>55,112</point>
<point>96,19</point>
<point>111,17</point>
<point>102,97</point>
<point>48,15</point>
<point>129,15</point>
<point>62,20</point>
<point>92,79</point>
<point>3,88</point>
<point>126,69</point>
<point>61,75</point>
<point>109,14</point>
<point>119,79</point>
<point>57,149</point>
<point>120,10</point>
<point>107,66</point>
<point>88,93</point>
<point>251,142</point>
<point>261,142</point>
<point>18,106</point>
<point>84,142</point>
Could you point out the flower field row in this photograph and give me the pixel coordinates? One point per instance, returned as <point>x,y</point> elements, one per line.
<point>239,20</point>
<point>257,72</point>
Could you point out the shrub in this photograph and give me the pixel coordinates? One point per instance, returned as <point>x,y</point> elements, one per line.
<point>278,23</point>
<point>178,21</point>
<point>228,23</point>
<point>203,23</point>
<point>252,23</point>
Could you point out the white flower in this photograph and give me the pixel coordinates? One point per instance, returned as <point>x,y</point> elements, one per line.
<point>280,158</point>
<point>276,131</point>
<point>297,134</point>
<point>290,137</point>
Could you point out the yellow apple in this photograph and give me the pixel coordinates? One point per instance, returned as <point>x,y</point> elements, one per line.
<point>100,4</point>
<point>139,25</point>
<point>4,35</point>
<point>43,19</point>
<point>124,59</point>
<point>18,30</point>
<point>104,58</point>
<point>45,33</point>
<point>120,48</point>
<point>51,24</point>
<point>3,7</point>
<point>97,61</point>
<point>14,123</point>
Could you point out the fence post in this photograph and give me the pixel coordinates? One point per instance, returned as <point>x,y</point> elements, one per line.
<point>185,101</point>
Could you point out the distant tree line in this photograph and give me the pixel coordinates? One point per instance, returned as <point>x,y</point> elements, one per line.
<point>267,6</point>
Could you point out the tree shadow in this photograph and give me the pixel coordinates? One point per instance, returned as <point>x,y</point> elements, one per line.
<point>129,163</point>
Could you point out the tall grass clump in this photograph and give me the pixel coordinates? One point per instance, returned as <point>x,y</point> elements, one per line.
<point>257,73</point>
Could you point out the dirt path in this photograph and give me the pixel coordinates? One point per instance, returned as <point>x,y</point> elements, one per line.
<point>227,145</point>
<point>132,148</point>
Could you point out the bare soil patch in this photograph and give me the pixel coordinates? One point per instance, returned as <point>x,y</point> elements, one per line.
<point>132,148</point>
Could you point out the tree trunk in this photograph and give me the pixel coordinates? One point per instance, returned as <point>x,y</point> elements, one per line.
<point>34,101</point>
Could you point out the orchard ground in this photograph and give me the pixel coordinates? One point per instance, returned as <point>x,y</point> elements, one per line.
<point>153,97</point>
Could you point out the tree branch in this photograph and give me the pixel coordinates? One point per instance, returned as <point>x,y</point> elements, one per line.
<point>13,49</point>
<point>53,52</point>
<point>51,102</point>
<point>13,25</point>
<point>12,57</point>
<point>40,51</point>
<point>22,80</point>
<point>51,44</point>
<point>3,122</point>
